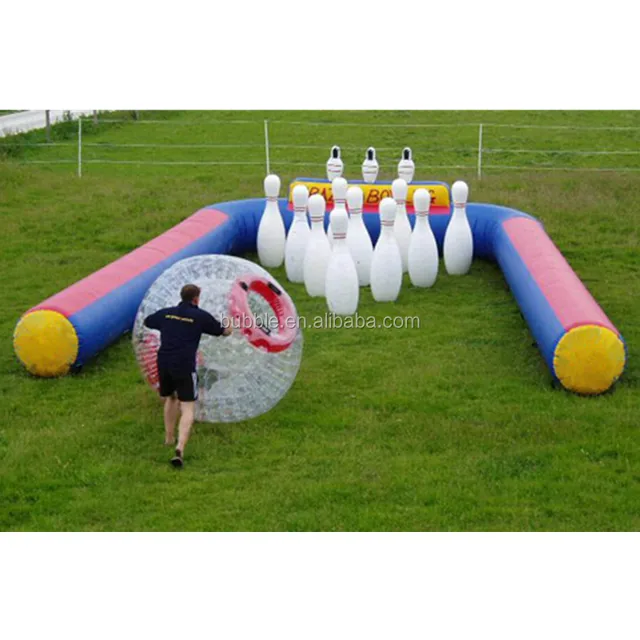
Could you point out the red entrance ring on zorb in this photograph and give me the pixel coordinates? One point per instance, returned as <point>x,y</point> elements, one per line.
<point>281,305</point>
<point>256,334</point>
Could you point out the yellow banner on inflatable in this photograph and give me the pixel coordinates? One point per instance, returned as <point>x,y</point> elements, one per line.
<point>374,193</point>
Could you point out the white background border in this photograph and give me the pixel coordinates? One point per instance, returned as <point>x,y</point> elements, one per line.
<point>290,55</point>
<point>319,586</point>
<point>293,55</point>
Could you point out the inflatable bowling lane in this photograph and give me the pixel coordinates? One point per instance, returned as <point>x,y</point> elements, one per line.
<point>580,345</point>
<point>582,348</point>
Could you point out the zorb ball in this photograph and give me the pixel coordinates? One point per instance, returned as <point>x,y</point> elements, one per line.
<point>247,373</point>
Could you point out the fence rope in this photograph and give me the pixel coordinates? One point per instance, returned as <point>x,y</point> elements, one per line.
<point>136,145</point>
<point>171,162</point>
<point>585,152</point>
<point>504,167</point>
<point>283,163</point>
<point>181,122</point>
<point>109,145</point>
<point>311,164</point>
<point>312,123</point>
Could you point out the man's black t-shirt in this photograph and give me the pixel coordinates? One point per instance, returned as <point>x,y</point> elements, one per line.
<point>180,330</point>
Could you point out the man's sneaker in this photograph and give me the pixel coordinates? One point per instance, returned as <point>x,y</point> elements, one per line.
<point>176,461</point>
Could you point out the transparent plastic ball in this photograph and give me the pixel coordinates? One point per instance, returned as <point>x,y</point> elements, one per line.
<point>236,380</point>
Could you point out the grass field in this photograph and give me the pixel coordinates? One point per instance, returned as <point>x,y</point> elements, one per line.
<point>453,426</point>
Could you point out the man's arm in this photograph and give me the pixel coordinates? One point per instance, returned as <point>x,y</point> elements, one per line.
<point>154,321</point>
<point>213,327</point>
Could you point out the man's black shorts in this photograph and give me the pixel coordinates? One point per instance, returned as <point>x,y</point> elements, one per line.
<point>185,384</point>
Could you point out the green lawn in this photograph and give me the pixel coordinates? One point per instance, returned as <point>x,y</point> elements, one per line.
<point>453,426</point>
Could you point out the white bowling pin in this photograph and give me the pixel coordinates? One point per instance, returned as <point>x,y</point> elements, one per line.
<point>370,166</point>
<point>298,237</point>
<point>271,234</point>
<point>458,239</point>
<point>423,250</point>
<point>402,226</point>
<point>339,188</point>
<point>406,167</point>
<point>358,239</point>
<point>386,264</point>
<point>341,283</point>
<point>335,166</point>
<point>316,257</point>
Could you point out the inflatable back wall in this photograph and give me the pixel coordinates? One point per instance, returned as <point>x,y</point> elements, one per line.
<point>581,346</point>
<point>374,193</point>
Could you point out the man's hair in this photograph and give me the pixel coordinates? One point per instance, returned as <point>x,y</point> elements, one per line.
<point>189,292</point>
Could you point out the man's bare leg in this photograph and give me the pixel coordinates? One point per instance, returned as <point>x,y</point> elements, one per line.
<point>171,409</point>
<point>188,410</point>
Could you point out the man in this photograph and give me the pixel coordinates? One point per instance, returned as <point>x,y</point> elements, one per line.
<point>180,329</point>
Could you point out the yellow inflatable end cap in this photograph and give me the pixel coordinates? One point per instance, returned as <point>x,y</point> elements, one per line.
<point>589,359</point>
<point>46,343</point>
